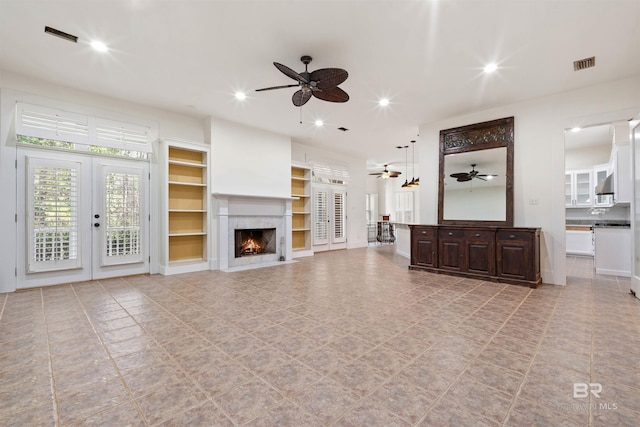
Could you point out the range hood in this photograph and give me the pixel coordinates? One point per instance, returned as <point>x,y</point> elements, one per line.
<point>605,187</point>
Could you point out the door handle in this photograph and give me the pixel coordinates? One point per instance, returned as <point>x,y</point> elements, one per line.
<point>96,224</point>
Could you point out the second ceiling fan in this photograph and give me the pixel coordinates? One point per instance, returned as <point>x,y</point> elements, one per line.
<point>322,83</point>
<point>468,176</point>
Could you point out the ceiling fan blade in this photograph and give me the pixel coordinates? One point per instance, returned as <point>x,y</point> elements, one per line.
<point>301,97</point>
<point>460,175</point>
<point>332,95</point>
<point>290,73</point>
<point>464,179</point>
<point>327,78</point>
<point>276,87</point>
<point>394,174</point>
<point>376,173</point>
<point>478,177</point>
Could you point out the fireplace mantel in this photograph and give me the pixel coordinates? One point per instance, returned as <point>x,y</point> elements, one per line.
<point>233,211</point>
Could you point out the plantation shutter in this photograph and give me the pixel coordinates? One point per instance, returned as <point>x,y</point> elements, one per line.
<point>53,206</point>
<point>320,217</point>
<point>51,123</point>
<point>339,217</point>
<point>59,125</point>
<point>126,136</point>
<point>122,215</point>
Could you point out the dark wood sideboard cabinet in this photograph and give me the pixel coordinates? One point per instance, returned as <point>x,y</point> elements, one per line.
<point>502,254</point>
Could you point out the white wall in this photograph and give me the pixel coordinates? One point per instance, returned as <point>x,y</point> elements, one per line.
<point>249,161</point>
<point>587,157</point>
<point>539,163</point>
<point>356,188</point>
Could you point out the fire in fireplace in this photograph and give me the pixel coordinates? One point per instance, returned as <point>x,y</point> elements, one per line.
<point>255,241</point>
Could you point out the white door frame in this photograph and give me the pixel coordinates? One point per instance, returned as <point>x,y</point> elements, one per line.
<point>328,241</point>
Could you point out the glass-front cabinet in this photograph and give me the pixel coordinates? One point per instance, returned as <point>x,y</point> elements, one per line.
<point>600,173</point>
<point>579,190</point>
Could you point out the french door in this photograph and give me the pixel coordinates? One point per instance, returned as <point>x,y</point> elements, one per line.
<point>80,217</point>
<point>329,218</point>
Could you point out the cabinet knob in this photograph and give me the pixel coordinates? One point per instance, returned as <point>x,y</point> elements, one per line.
<point>424,232</point>
<point>512,236</point>
<point>450,234</point>
<point>477,234</point>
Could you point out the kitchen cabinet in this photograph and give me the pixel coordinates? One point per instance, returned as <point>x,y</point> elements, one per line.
<point>579,189</point>
<point>579,240</point>
<point>613,251</point>
<point>501,254</point>
<point>600,173</point>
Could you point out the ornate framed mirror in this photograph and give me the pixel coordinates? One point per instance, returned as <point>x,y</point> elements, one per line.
<point>476,174</point>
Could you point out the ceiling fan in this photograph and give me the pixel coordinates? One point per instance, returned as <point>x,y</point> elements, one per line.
<point>322,83</point>
<point>468,176</point>
<point>387,173</point>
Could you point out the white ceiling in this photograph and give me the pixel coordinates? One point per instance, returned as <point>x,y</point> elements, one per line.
<point>426,56</point>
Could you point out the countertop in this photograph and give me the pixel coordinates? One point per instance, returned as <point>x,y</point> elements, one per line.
<point>598,223</point>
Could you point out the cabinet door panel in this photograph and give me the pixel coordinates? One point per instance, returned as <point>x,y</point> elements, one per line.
<point>480,258</point>
<point>515,261</point>
<point>426,252</point>
<point>451,255</point>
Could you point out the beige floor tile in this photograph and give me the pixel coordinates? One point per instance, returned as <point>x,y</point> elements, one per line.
<point>343,338</point>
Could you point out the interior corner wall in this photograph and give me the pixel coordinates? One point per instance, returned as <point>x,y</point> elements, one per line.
<point>356,188</point>
<point>249,161</point>
<point>539,163</point>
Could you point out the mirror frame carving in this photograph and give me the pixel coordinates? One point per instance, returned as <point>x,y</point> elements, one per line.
<point>479,136</point>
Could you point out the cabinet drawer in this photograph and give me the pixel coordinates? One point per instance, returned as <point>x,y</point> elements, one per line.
<point>418,232</point>
<point>482,235</point>
<point>514,235</point>
<point>450,233</point>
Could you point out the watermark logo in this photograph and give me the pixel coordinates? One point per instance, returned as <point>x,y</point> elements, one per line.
<point>582,390</point>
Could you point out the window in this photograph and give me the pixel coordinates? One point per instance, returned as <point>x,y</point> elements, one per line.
<point>371,208</point>
<point>55,128</point>
<point>404,206</point>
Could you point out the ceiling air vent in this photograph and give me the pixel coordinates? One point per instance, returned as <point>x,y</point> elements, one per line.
<point>61,34</point>
<point>584,63</point>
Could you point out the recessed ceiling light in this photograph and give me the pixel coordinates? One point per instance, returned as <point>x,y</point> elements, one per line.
<point>319,122</point>
<point>490,68</point>
<point>576,129</point>
<point>99,46</point>
<point>383,102</point>
<point>241,96</point>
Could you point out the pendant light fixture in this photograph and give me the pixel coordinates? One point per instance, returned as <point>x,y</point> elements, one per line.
<point>414,181</point>
<point>406,167</point>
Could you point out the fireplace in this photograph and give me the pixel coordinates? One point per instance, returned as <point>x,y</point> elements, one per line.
<point>254,241</point>
<point>252,215</point>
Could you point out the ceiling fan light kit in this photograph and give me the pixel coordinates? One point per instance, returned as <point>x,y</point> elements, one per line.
<point>322,83</point>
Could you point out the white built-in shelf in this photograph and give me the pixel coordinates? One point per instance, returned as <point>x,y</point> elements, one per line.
<point>297,178</point>
<point>190,164</point>
<point>301,229</point>
<point>187,210</point>
<point>299,196</point>
<point>301,213</point>
<point>199,233</point>
<point>189,184</point>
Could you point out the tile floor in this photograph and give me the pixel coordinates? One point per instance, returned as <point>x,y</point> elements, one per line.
<point>344,338</point>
